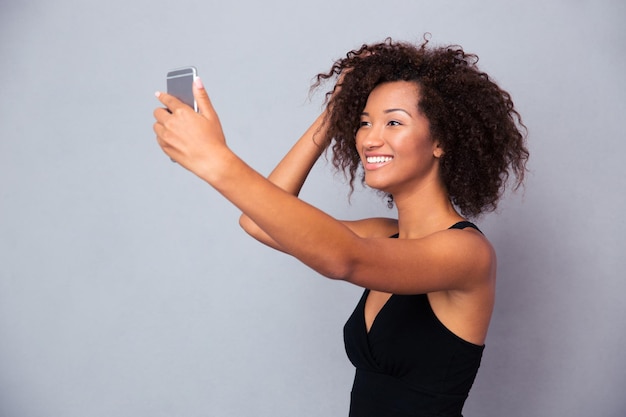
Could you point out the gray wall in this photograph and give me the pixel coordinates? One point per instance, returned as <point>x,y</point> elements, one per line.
<point>127,288</point>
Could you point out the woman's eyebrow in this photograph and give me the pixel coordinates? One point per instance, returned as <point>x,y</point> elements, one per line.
<point>396,109</point>
<point>388,111</point>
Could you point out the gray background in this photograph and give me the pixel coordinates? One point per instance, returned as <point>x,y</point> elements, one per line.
<point>127,288</point>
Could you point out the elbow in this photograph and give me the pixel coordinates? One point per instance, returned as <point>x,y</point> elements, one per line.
<point>339,268</point>
<point>243,222</point>
<point>248,225</point>
<point>345,261</point>
<point>252,229</point>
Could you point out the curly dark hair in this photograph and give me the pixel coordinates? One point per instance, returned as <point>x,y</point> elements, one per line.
<point>474,120</point>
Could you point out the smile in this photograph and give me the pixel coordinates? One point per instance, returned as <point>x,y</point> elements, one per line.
<point>378,159</point>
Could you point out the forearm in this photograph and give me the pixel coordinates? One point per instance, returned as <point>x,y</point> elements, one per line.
<point>293,169</point>
<point>291,173</point>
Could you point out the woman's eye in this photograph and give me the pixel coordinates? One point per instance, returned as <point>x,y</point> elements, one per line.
<point>363,123</point>
<point>394,123</point>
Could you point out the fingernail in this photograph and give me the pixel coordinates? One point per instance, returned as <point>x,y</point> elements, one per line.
<point>198,83</point>
<point>157,94</point>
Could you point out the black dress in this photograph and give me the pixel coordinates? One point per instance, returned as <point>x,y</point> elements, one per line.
<point>409,364</point>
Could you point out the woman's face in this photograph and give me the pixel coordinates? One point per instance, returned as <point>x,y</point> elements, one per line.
<point>394,140</point>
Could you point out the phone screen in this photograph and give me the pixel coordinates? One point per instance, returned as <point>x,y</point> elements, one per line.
<point>179,84</point>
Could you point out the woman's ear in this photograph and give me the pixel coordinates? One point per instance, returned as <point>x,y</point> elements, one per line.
<point>438,150</point>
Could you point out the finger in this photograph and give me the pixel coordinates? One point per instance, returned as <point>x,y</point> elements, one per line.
<point>205,107</point>
<point>158,129</point>
<point>170,102</point>
<point>160,113</point>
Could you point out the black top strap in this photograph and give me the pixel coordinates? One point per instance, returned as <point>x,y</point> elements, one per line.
<point>459,225</point>
<point>464,224</point>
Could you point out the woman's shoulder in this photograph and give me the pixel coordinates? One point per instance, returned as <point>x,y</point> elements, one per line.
<point>373,227</point>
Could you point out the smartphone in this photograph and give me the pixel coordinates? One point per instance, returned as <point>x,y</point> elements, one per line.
<point>180,83</point>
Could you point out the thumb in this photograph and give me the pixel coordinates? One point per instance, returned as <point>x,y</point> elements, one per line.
<point>205,107</point>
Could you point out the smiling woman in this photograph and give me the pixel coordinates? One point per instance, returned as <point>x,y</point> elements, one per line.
<point>394,134</point>
<point>425,126</point>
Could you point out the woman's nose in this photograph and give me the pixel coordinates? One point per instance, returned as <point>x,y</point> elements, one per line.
<point>372,138</point>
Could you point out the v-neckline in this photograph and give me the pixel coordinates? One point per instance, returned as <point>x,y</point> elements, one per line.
<point>366,296</point>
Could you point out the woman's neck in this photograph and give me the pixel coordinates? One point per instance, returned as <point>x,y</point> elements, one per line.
<point>425,211</point>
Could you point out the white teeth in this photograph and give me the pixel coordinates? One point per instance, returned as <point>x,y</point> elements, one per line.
<point>378,159</point>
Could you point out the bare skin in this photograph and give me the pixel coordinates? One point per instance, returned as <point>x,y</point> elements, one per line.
<point>456,268</point>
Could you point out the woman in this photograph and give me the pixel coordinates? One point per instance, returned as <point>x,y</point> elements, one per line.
<point>424,126</point>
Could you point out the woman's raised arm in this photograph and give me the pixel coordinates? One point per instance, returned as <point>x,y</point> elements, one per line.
<point>290,174</point>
